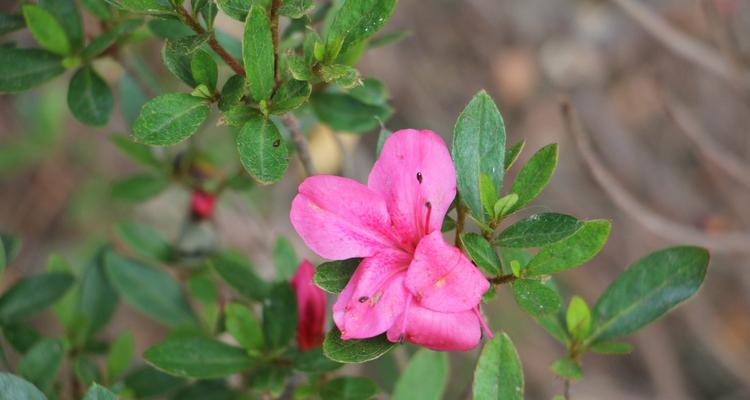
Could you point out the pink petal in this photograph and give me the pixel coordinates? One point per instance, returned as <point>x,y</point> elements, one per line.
<point>414,173</point>
<point>339,218</point>
<point>438,331</point>
<point>442,278</point>
<point>374,297</point>
<point>311,307</point>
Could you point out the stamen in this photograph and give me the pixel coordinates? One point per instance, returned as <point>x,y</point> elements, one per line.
<point>486,328</point>
<point>363,299</point>
<point>419,177</point>
<point>427,220</point>
<point>406,318</point>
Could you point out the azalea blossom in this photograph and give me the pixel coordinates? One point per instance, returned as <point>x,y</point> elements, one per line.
<point>202,204</point>
<point>311,307</point>
<point>411,284</point>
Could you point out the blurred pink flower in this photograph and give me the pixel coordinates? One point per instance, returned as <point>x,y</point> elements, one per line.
<point>411,283</point>
<point>202,204</point>
<point>311,307</point>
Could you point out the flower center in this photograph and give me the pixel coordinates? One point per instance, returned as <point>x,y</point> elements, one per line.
<point>427,219</point>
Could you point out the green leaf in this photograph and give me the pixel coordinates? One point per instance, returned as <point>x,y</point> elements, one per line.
<point>13,387</point>
<point>149,382</point>
<point>197,357</point>
<point>572,251</point>
<point>371,92</point>
<point>99,8</point>
<point>21,337</point>
<point>64,308</point>
<point>535,297</point>
<point>334,275</point>
<point>567,369</point>
<point>538,230</point>
<point>66,13</point>
<point>139,188</point>
<point>313,360</point>
<point>150,290</point>
<point>348,388</point>
<point>504,204</point>
<point>97,299</point>
<point>296,8</point>
<point>511,154</point>
<point>244,327</point>
<point>478,148</point>
<point>98,392</point>
<point>383,135</point>
<point>145,240</point>
<point>11,245</point>
<point>648,289</point>
<point>136,151</point>
<point>498,374</point>
<point>284,258</point>
<point>32,295</point>
<point>10,23</point>
<point>257,53</point>
<point>178,65</point>
<point>86,371</point>
<point>204,68</point>
<point>342,75</point>
<point>22,69</point>
<point>42,362</point>
<point>46,29</point>
<point>354,22</point>
<point>534,176</point>
<point>424,378</point>
<point>240,114</point>
<point>120,355</point>
<point>487,195</point>
<point>611,348</point>
<point>482,253</point>
<point>345,113</point>
<point>110,37</point>
<point>263,152</point>
<point>169,119</point>
<point>236,9</point>
<point>354,350</point>
<point>290,96</point>
<point>299,69</point>
<point>239,274</point>
<point>578,319</point>
<point>89,97</point>
<point>132,99</point>
<point>279,316</point>
<point>388,39</point>
<point>232,92</point>
<point>146,6</point>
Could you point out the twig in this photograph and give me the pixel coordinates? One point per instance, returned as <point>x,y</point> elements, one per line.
<point>683,45</point>
<point>566,389</point>
<point>274,17</point>
<point>300,142</point>
<point>728,242</point>
<point>194,25</point>
<point>502,279</point>
<point>460,221</point>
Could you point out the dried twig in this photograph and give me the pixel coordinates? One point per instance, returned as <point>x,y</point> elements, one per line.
<point>300,142</point>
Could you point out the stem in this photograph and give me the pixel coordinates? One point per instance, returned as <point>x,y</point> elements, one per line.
<point>502,279</point>
<point>566,389</point>
<point>194,25</point>
<point>460,221</point>
<point>275,5</point>
<point>303,151</point>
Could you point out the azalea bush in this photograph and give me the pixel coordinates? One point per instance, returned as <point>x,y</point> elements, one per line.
<point>406,260</point>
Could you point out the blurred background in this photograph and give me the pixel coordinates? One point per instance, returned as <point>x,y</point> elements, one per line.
<point>662,92</point>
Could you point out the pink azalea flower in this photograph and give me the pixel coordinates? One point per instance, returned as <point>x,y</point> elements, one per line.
<point>311,307</point>
<point>411,283</point>
<point>202,204</point>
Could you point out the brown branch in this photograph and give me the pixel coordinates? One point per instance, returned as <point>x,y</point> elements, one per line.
<point>502,279</point>
<point>215,45</point>
<point>460,221</point>
<point>727,242</point>
<point>300,142</point>
<point>275,5</point>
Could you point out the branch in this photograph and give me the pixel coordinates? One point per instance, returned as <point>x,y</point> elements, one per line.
<point>275,5</point>
<point>194,25</point>
<point>502,279</point>
<point>728,242</point>
<point>300,142</point>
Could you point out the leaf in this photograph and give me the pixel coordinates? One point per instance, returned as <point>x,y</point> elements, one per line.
<point>333,276</point>
<point>290,96</point>
<point>648,289</point>
<point>139,188</point>
<point>348,388</point>
<point>371,92</point>
<point>342,75</point>
<point>538,230</point>
<point>11,22</point>
<point>22,69</point>
<point>354,350</point>
<point>478,148</point>
<point>578,319</point>
<point>197,357</point>
<point>236,9</point>
<point>147,6</point>
<point>240,114</point>
<point>232,92</point>
<point>388,39</point>
<point>244,327</point>
<point>136,151</point>
<point>572,251</point>
<point>534,176</point>
<point>11,246</point>
<point>239,274</point>
<point>512,153</point>
<point>482,253</point>
<point>498,374</point>
<point>187,45</point>
<point>148,382</point>
<point>567,369</point>
<point>67,14</point>
<point>98,8</point>
<point>354,22</point>
<point>13,387</point>
<point>89,97</point>
<point>284,258</point>
<point>204,68</point>
<point>258,54</point>
<point>296,8</point>
<point>120,355</point>
<point>424,377</point>
<point>21,337</point>
<point>313,360</point>
<point>132,99</point>
<point>46,29</point>
<point>263,152</point>
<point>383,135</point>
<point>279,316</point>
<point>97,298</point>
<point>299,68</point>
<point>169,119</point>
<point>487,195</point>
<point>611,348</point>
<point>42,362</point>
<point>504,204</point>
<point>110,37</point>
<point>32,295</point>
<point>345,113</point>
<point>98,392</point>
<point>86,371</point>
<point>145,240</point>
<point>535,297</point>
<point>178,65</point>
<point>150,290</point>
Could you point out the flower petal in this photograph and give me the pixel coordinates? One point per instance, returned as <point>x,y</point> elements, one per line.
<point>436,330</point>
<point>311,307</point>
<point>339,218</point>
<point>374,297</point>
<point>442,278</point>
<point>414,170</point>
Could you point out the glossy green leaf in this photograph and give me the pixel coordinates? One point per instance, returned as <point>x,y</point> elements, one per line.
<point>22,69</point>
<point>86,371</point>
<point>32,295</point>
<point>342,75</point>
<point>354,350</point>
<point>535,297</point>
<point>371,91</point>
<point>345,113</point>
<point>236,9</point>
<point>151,291</point>
<point>263,152</point>
<point>238,115</point>
<point>46,29</point>
<point>478,149</point>
<point>611,348</point>
<point>146,382</point>
<point>284,258</point>
<point>97,297</point>
<point>169,119</point>
<point>299,69</point>
<point>498,375</point>
<point>648,289</point>
<point>90,99</point>
<point>145,240</point>
<point>21,337</point>
<point>578,319</point>
<point>512,153</point>
<point>120,355</point>
<point>348,388</point>
<point>98,8</point>
<point>13,387</point>
<point>178,65</point>
<point>207,390</point>
<point>136,151</point>
<point>333,276</point>
<point>139,188</point>
<point>538,230</point>
<point>534,176</point>
<point>239,274</point>
<point>572,251</point>
<point>146,6</point>
<point>567,369</point>
<point>11,22</point>
<point>424,378</point>
<point>355,21</point>
<point>42,362</point>
<point>313,360</point>
<point>296,8</point>
<point>204,68</point>
<point>110,37</point>
<point>504,204</point>
<point>487,195</point>
<point>98,392</point>
<point>482,253</point>
<point>257,53</point>
<point>279,316</point>
<point>243,326</point>
<point>290,96</point>
<point>232,92</point>
<point>197,357</point>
